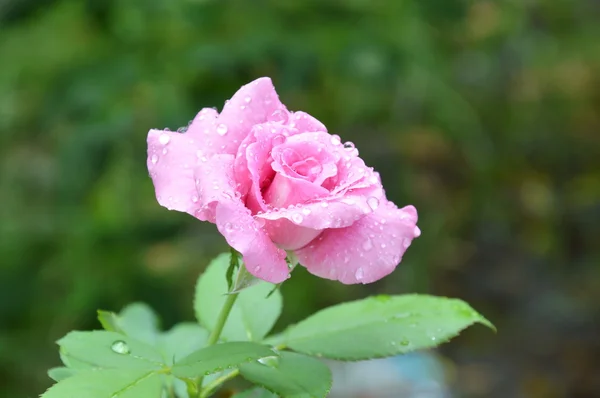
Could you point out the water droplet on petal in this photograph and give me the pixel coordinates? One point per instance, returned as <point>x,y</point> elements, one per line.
<point>120,347</point>
<point>359,274</point>
<point>373,203</point>
<point>222,129</point>
<point>306,211</point>
<point>154,159</point>
<point>367,245</point>
<point>297,218</point>
<point>195,199</point>
<point>417,232</point>
<point>164,139</point>
<point>406,243</point>
<point>324,204</point>
<point>248,100</point>
<point>349,146</point>
<point>335,140</point>
<point>228,227</point>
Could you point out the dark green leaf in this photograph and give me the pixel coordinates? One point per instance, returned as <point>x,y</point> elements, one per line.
<point>253,314</point>
<point>108,383</point>
<point>219,357</point>
<point>380,326</point>
<point>290,375</point>
<point>102,349</point>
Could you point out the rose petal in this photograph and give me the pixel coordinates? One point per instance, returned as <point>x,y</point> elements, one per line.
<point>261,257</point>
<point>367,250</point>
<point>304,122</point>
<point>252,104</point>
<point>214,183</point>
<point>171,161</point>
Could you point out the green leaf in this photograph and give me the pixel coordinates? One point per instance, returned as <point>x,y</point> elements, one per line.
<point>253,314</point>
<point>108,383</point>
<point>255,393</point>
<point>101,349</point>
<point>380,326</point>
<point>136,320</point>
<point>182,340</point>
<point>60,373</point>
<point>219,357</point>
<point>290,375</point>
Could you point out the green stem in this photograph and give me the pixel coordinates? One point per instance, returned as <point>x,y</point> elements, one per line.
<point>227,306</point>
<point>216,332</point>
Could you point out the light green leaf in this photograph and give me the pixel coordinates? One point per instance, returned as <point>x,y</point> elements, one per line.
<point>108,383</point>
<point>109,321</point>
<point>255,393</point>
<point>253,314</point>
<point>136,320</point>
<point>182,340</point>
<point>102,349</point>
<point>290,375</point>
<point>380,326</point>
<point>219,357</point>
<point>60,373</point>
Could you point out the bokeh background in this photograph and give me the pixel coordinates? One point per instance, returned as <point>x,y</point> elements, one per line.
<point>483,114</point>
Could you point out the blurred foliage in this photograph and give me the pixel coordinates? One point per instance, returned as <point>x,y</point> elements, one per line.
<point>483,114</point>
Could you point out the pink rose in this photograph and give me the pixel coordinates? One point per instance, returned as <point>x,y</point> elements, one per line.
<point>274,180</point>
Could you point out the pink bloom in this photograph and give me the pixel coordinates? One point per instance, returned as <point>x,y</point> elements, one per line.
<point>274,180</point>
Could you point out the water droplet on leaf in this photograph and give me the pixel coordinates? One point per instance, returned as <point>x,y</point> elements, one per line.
<point>120,347</point>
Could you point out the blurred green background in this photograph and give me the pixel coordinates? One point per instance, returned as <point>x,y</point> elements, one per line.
<point>483,114</point>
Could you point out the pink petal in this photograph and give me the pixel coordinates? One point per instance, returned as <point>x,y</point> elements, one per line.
<point>367,250</point>
<point>261,257</point>
<point>304,122</point>
<point>327,213</point>
<point>214,183</point>
<point>252,104</point>
<point>171,161</point>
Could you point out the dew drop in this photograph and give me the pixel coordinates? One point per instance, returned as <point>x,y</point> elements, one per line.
<point>120,347</point>
<point>228,227</point>
<point>248,100</point>
<point>417,232</point>
<point>324,204</point>
<point>297,218</point>
<point>349,146</point>
<point>222,129</point>
<point>406,243</point>
<point>359,274</point>
<point>373,203</point>
<point>383,246</point>
<point>404,342</point>
<point>195,199</point>
<point>306,211</point>
<point>335,140</point>
<point>164,139</point>
<point>279,116</point>
<point>154,159</point>
<point>367,245</point>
